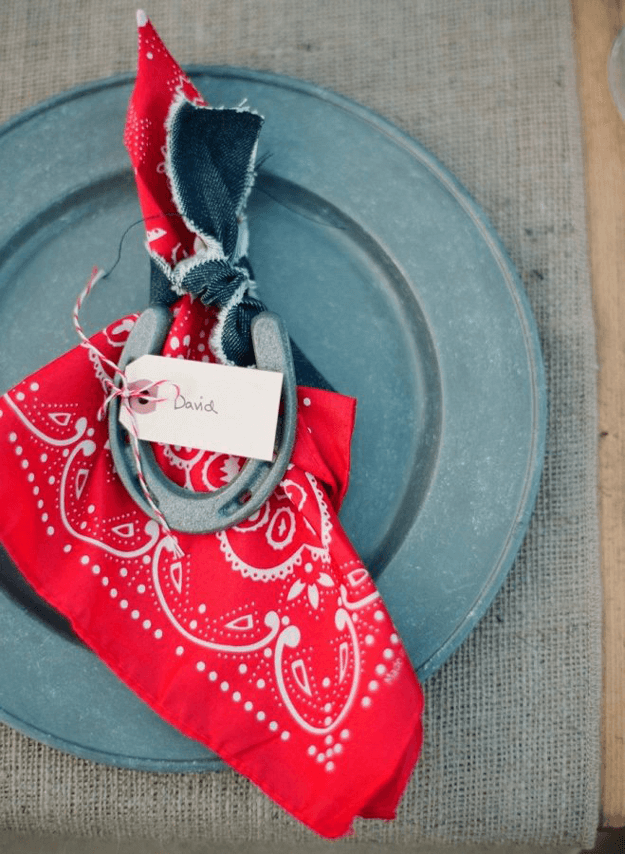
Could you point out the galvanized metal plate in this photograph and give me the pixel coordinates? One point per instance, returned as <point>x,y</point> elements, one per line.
<point>393,283</point>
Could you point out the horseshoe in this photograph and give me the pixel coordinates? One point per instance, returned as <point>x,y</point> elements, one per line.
<point>203,513</point>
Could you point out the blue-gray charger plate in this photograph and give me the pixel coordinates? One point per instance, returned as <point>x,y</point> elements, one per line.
<point>396,287</point>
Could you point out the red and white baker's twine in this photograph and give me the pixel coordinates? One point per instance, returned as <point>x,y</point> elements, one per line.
<point>125,394</point>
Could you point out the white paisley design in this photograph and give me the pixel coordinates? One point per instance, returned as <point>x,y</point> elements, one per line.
<point>290,638</point>
<point>271,619</point>
<point>270,520</point>
<point>81,426</point>
<point>151,528</point>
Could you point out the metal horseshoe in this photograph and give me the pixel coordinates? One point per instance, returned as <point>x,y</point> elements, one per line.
<point>207,512</point>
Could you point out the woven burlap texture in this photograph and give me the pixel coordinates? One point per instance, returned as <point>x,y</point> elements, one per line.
<point>512,720</point>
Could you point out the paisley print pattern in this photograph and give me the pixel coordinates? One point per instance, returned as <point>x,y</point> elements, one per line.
<point>268,641</point>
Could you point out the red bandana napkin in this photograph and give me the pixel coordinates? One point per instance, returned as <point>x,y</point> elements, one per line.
<point>268,641</point>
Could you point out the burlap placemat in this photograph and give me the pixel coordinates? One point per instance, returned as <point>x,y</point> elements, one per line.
<point>512,739</point>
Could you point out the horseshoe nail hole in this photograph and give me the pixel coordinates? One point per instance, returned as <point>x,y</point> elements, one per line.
<point>244,497</point>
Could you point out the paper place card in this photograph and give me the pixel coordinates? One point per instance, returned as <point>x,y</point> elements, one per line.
<point>218,408</point>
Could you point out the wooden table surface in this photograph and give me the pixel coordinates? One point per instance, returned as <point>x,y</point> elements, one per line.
<point>596,24</point>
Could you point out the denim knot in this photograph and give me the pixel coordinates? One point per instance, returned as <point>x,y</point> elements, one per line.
<point>210,164</point>
<point>214,282</point>
<point>236,335</point>
<point>225,286</point>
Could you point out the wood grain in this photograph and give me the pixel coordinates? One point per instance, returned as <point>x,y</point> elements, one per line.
<point>596,24</point>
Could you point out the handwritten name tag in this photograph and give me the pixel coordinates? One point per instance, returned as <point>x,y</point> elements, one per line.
<point>200,405</point>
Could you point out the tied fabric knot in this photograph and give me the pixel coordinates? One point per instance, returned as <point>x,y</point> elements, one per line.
<point>210,157</point>
<point>226,286</point>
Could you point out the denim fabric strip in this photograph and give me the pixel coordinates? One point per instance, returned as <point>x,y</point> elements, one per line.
<point>211,156</point>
